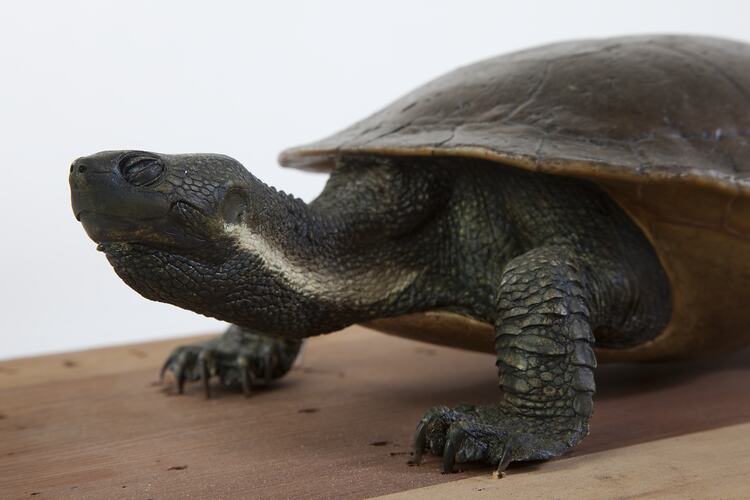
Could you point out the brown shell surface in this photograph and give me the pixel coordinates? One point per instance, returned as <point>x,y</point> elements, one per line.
<point>662,123</point>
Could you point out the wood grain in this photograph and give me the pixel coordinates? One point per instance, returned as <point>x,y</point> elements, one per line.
<point>96,424</point>
<point>708,464</point>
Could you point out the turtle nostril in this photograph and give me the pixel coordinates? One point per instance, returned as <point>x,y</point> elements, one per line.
<point>78,166</point>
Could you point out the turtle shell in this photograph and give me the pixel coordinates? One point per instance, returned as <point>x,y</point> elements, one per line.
<point>662,123</point>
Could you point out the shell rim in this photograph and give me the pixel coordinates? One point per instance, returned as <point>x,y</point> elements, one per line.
<point>322,159</point>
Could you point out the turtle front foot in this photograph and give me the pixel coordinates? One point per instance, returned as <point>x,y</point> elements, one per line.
<point>239,358</point>
<point>494,434</point>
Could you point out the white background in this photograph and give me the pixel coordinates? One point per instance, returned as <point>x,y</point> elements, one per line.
<point>242,78</point>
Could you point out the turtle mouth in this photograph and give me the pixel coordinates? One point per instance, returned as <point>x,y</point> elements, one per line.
<point>172,233</point>
<point>102,227</point>
<point>113,248</point>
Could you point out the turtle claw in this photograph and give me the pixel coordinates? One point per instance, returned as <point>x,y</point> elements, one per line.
<point>492,434</point>
<point>268,366</point>
<point>449,457</point>
<point>201,362</point>
<point>238,358</point>
<point>246,374</point>
<point>181,371</point>
<point>420,440</point>
<point>205,357</point>
<point>164,367</point>
<point>463,445</point>
<point>504,462</point>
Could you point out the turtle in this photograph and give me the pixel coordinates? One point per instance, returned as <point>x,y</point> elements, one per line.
<point>580,202</point>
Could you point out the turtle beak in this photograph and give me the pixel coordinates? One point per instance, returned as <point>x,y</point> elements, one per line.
<point>109,207</point>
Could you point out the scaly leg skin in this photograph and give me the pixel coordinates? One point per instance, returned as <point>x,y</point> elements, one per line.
<point>544,344</point>
<point>239,357</point>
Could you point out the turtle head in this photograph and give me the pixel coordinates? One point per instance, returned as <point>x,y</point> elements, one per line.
<point>190,230</point>
<point>170,202</point>
<point>160,219</point>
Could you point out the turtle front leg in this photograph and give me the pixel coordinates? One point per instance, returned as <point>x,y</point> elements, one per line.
<point>545,355</point>
<point>239,358</point>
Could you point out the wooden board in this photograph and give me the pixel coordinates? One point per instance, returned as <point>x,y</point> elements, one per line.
<point>708,464</point>
<point>96,424</point>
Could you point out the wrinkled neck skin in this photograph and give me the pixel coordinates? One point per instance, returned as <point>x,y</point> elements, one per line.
<point>288,268</point>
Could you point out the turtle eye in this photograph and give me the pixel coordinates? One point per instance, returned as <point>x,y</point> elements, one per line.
<point>141,170</point>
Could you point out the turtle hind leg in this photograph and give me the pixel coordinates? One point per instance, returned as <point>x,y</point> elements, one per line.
<point>544,344</point>
<point>238,358</point>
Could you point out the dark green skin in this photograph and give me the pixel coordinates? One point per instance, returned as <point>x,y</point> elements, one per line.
<point>553,262</point>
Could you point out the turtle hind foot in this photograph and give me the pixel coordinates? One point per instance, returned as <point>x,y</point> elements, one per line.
<point>238,358</point>
<point>494,434</point>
